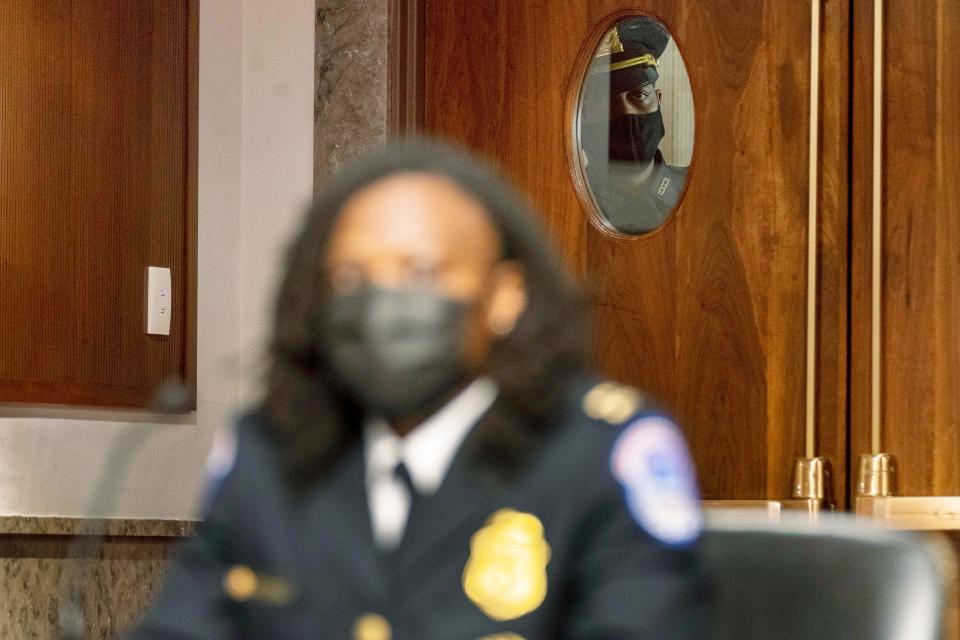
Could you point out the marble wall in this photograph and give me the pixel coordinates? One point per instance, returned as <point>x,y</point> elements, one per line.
<point>114,580</point>
<point>350,106</point>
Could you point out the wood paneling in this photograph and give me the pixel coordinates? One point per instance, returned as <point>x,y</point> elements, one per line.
<point>860,230</point>
<point>496,75</point>
<point>709,312</point>
<point>920,360</point>
<point>96,161</point>
<point>833,252</point>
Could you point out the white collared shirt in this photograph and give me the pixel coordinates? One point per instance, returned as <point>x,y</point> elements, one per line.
<point>427,451</point>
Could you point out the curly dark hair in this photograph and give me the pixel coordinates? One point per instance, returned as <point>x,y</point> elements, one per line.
<point>315,421</point>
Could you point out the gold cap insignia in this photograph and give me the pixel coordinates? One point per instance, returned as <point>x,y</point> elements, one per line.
<point>372,626</point>
<point>506,575</point>
<point>646,60</point>
<point>610,44</point>
<point>502,636</point>
<point>611,402</point>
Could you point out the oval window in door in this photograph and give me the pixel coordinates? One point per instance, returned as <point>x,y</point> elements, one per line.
<point>634,128</point>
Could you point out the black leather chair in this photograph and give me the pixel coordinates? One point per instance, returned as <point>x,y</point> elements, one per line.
<point>839,579</point>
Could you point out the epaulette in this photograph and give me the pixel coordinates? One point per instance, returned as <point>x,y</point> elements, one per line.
<point>612,402</point>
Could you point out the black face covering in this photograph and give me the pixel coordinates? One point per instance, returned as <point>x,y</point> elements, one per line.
<point>397,350</point>
<point>634,137</point>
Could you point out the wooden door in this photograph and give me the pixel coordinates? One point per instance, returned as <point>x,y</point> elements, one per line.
<point>709,312</point>
<point>918,249</point>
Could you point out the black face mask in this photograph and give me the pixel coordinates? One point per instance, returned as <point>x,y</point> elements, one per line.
<point>634,137</point>
<point>397,350</point>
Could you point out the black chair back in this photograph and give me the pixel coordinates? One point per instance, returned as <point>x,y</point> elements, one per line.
<point>840,579</point>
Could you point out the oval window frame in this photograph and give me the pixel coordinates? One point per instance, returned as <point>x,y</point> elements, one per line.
<point>581,184</point>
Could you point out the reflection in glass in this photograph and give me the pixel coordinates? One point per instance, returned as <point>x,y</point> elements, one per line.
<point>636,125</point>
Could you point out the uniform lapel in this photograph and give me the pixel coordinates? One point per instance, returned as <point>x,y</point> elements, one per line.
<point>461,505</point>
<point>339,524</point>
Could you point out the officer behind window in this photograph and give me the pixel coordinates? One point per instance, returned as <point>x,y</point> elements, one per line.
<point>430,459</point>
<point>635,188</point>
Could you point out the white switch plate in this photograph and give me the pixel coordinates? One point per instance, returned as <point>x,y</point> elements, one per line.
<point>159,301</point>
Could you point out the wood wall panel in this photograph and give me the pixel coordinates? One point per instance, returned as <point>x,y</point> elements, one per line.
<point>35,263</point>
<point>920,361</point>
<point>833,248</point>
<point>496,75</point>
<point>95,106</point>
<point>860,228</point>
<point>709,312</point>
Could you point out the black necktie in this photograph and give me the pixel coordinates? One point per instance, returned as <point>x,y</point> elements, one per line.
<point>402,473</point>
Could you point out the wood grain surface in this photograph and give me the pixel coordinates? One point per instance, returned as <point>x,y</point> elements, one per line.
<point>920,342</point>
<point>95,133</point>
<point>495,80</point>
<point>708,313</point>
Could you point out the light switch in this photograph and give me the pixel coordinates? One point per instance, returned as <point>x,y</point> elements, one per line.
<point>159,301</point>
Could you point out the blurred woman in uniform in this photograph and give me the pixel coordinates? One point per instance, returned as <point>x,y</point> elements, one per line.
<point>431,458</point>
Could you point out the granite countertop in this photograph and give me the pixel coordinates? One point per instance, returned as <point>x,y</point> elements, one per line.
<point>123,527</point>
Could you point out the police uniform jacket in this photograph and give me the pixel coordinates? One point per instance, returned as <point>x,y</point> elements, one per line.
<point>566,546</point>
<point>638,208</point>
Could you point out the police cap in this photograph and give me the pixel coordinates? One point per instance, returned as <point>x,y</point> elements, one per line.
<point>631,51</point>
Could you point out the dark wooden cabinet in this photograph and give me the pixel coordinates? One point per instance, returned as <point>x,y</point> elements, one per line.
<point>97,182</point>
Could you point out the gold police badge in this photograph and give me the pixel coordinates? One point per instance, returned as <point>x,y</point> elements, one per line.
<point>506,575</point>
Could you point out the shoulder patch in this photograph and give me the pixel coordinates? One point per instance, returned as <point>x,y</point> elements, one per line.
<point>650,460</point>
<point>612,402</point>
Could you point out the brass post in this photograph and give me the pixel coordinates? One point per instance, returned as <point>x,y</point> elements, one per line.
<point>877,476</point>
<point>812,489</point>
<point>812,480</point>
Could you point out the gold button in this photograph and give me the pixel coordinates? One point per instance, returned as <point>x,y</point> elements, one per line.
<point>593,402</point>
<point>240,583</point>
<point>621,404</point>
<point>611,402</point>
<point>372,626</point>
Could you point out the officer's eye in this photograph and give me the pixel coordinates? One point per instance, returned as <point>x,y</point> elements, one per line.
<point>423,272</point>
<point>347,277</point>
